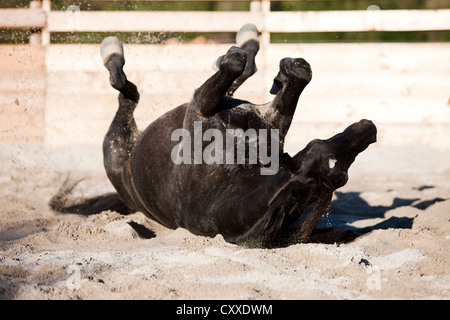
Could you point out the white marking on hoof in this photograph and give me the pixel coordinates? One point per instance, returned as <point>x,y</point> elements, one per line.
<point>331,163</point>
<point>109,46</point>
<point>247,32</point>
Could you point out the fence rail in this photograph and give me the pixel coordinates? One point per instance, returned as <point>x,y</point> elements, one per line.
<point>45,88</point>
<point>318,21</point>
<point>40,16</point>
<point>23,18</point>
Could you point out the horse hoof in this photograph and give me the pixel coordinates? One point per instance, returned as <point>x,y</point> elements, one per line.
<point>109,46</point>
<point>246,33</point>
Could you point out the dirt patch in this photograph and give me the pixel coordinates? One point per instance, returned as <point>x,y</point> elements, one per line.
<point>399,196</point>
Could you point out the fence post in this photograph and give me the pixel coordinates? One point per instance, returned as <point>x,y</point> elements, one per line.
<point>36,32</point>
<point>263,6</point>
<point>40,36</point>
<point>45,34</point>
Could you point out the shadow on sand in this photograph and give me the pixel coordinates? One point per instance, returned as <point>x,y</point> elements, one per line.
<point>350,207</point>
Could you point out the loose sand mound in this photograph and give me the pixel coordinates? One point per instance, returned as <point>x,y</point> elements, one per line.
<point>398,196</point>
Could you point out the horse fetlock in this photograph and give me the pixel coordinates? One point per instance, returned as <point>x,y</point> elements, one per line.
<point>117,77</point>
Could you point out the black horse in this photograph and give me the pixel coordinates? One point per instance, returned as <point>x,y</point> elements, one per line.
<point>248,201</point>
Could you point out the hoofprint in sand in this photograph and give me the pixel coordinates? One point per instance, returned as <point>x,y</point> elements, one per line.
<point>398,195</point>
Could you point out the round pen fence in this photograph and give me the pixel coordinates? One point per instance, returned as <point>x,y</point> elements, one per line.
<point>48,88</point>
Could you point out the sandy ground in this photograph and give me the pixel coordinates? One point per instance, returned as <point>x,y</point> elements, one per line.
<point>401,194</point>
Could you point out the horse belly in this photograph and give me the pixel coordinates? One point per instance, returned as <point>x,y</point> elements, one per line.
<point>153,171</point>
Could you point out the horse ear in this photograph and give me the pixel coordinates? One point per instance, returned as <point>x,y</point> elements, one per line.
<point>277,83</point>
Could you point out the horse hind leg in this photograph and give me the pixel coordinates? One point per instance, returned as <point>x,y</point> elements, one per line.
<point>123,132</point>
<point>112,54</point>
<point>117,145</point>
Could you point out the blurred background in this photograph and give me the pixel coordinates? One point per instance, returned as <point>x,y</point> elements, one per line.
<point>387,60</point>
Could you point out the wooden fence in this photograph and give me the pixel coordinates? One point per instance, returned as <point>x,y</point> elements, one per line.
<point>48,91</point>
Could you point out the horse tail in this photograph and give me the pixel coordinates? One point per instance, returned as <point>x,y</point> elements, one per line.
<point>63,203</point>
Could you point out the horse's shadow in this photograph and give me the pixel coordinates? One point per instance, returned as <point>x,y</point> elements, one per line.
<point>349,207</point>
<point>336,226</point>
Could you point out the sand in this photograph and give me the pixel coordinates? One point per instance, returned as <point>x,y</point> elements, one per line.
<point>399,194</point>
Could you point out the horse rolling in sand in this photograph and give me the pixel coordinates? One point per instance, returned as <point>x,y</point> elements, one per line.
<point>249,198</point>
